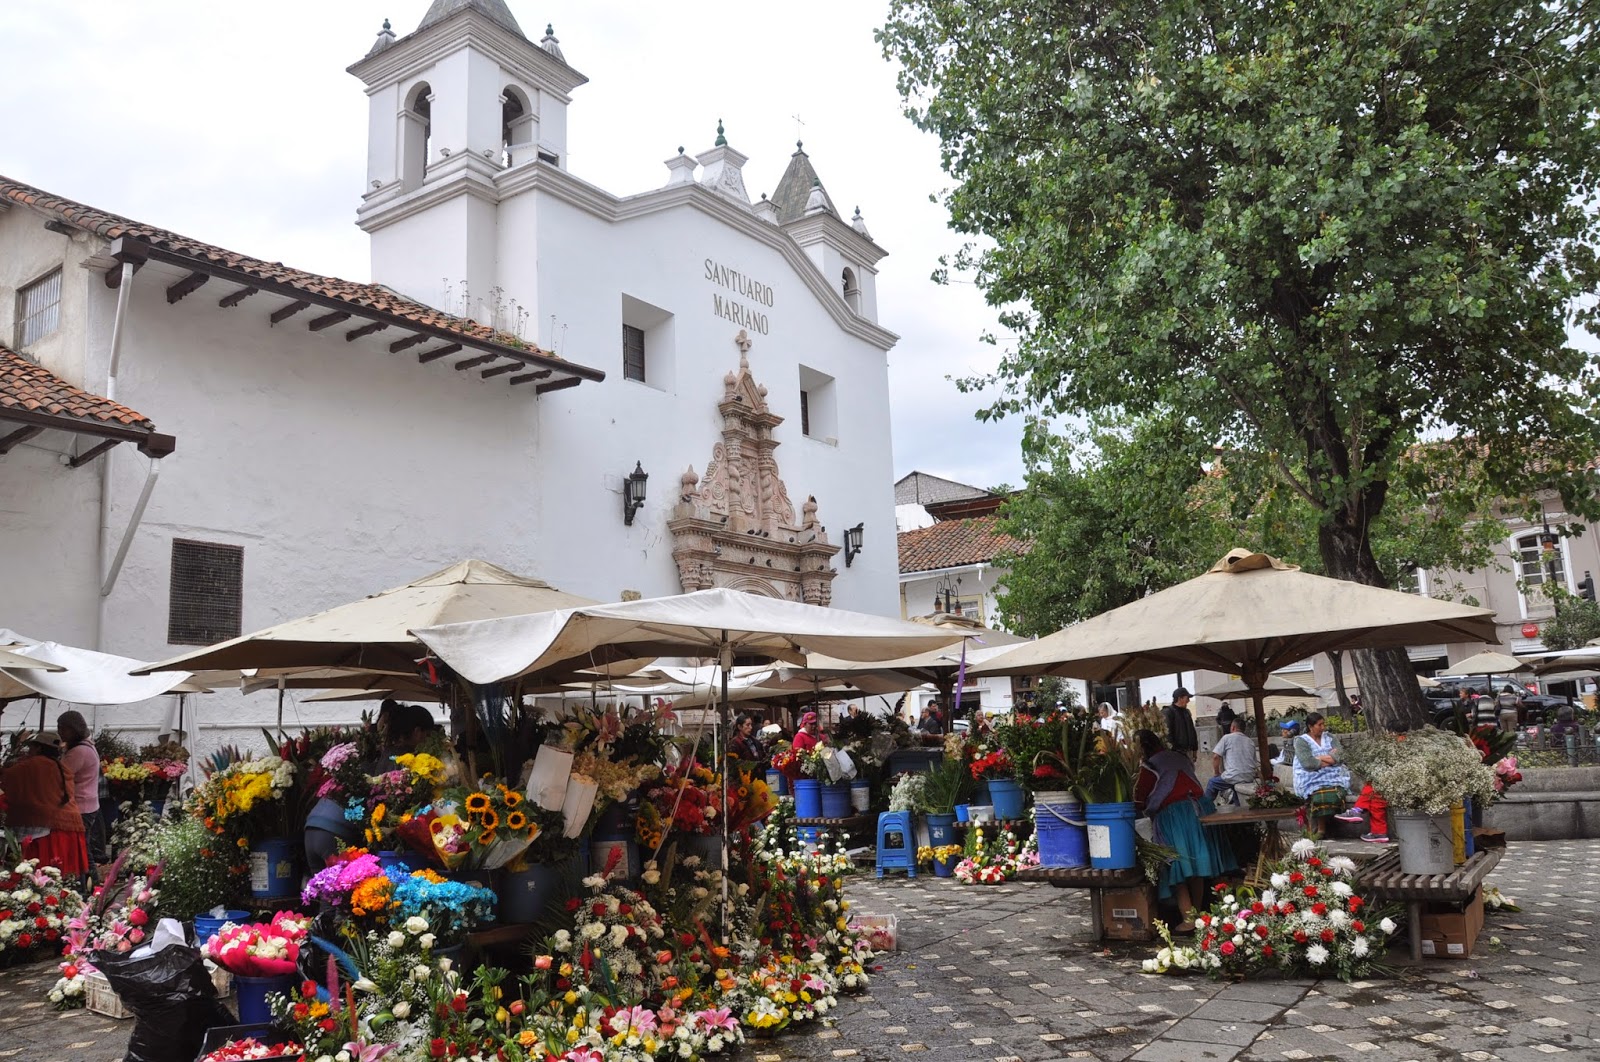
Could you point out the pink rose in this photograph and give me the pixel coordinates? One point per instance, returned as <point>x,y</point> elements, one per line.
<point>136,935</point>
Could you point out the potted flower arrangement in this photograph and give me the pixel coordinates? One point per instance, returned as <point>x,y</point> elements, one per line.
<point>262,957</point>
<point>942,787</point>
<point>1107,790</point>
<point>36,909</point>
<point>1422,774</point>
<point>1063,753</point>
<point>244,804</point>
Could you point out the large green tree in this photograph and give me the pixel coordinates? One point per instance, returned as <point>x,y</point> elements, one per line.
<point>1320,232</point>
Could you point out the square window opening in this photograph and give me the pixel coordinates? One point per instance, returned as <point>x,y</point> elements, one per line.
<point>648,344</point>
<point>38,308</point>
<point>819,410</point>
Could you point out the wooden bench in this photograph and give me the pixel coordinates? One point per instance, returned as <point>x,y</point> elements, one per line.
<point>1382,880</point>
<point>1086,878</point>
<point>856,826</point>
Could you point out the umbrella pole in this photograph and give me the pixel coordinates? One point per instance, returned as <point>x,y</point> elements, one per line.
<point>725,658</point>
<point>1258,698</point>
<point>41,713</point>
<point>280,703</point>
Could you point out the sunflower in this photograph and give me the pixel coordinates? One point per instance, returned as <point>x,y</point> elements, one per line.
<point>487,838</point>
<point>516,820</point>
<point>490,821</point>
<point>477,803</point>
<point>513,798</point>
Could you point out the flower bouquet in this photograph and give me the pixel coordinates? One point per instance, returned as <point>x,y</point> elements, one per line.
<point>689,800</point>
<point>343,773</point>
<point>118,917</point>
<point>251,1048</point>
<point>493,826</point>
<point>991,763</point>
<point>260,949</point>
<point>338,884</point>
<point>450,909</point>
<point>991,860</point>
<point>36,909</point>
<point>1425,770</point>
<point>244,801</point>
<point>1269,794</point>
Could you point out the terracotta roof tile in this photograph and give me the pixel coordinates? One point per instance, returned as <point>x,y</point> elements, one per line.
<point>24,385</point>
<point>953,543</point>
<point>364,296</point>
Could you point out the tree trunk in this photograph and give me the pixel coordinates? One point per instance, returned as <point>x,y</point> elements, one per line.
<point>1390,693</point>
<point>1336,658</point>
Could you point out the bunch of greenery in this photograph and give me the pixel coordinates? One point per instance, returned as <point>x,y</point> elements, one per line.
<point>1066,753</point>
<point>194,877</point>
<point>110,744</point>
<point>944,785</point>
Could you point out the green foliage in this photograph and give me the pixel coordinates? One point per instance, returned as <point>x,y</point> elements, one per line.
<point>944,785</point>
<point>1576,622</point>
<point>1311,237</point>
<point>194,875</point>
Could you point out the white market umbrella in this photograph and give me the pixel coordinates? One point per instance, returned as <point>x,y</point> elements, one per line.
<point>18,662</point>
<point>372,634</point>
<point>718,623</point>
<point>82,676</point>
<point>1249,615</point>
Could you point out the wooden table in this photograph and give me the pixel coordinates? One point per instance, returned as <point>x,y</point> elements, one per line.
<point>1085,878</point>
<point>1271,840</point>
<point>1382,879</point>
<point>857,825</point>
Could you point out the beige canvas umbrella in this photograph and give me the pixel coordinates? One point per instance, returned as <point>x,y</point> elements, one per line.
<point>1249,615</point>
<point>1489,663</point>
<point>1238,689</point>
<point>371,634</point>
<point>717,623</point>
<point>18,662</point>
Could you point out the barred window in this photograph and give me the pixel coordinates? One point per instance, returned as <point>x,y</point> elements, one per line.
<point>39,308</point>
<point>633,353</point>
<point>207,596</point>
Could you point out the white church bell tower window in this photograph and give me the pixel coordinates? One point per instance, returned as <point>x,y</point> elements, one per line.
<point>416,136</point>
<point>852,291</point>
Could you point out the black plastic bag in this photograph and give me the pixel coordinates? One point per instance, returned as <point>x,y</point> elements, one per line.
<point>171,998</point>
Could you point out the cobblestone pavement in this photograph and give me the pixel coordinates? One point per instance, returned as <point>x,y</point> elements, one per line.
<point>1006,973</point>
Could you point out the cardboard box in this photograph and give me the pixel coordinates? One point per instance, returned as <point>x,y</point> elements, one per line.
<point>1125,914</point>
<point>1451,931</point>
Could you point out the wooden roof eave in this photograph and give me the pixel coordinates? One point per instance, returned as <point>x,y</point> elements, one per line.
<point>558,373</point>
<point>151,443</point>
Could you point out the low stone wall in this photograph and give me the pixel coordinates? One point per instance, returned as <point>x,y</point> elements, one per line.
<point>1550,804</point>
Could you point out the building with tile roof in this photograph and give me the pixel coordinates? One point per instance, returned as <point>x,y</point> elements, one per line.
<point>527,344</point>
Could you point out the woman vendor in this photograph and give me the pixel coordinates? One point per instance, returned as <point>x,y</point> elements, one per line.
<point>808,737</point>
<point>42,809</point>
<point>743,745</point>
<point>1319,778</point>
<point>1169,792</point>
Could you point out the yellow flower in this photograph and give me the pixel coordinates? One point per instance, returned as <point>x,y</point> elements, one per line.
<point>516,820</point>
<point>512,798</point>
<point>490,820</point>
<point>477,804</point>
<point>571,997</point>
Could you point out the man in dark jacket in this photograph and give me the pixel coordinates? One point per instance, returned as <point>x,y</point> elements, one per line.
<point>1181,736</point>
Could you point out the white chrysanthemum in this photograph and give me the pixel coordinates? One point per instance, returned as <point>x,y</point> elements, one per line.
<point>1316,955</point>
<point>1280,880</point>
<point>1342,865</point>
<point>1358,947</point>
<point>1340,889</point>
<point>1338,918</point>
<point>619,936</point>
<point>1303,847</point>
<point>1387,925</point>
<point>593,931</point>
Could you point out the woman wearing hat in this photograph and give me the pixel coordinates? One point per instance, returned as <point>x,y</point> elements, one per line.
<point>40,808</point>
<point>808,737</point>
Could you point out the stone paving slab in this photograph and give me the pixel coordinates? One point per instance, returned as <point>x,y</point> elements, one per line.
<point>1005,972</point>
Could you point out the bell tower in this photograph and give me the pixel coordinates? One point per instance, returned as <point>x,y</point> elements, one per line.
<point>452,106</point>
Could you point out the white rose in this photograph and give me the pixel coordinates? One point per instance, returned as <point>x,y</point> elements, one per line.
<point>397,939</point>
<point>1387,925</point>
<point>401,1010</point>
<point>420,973</point>
<point>364,985</point>
<point>342,1056</point>
<point>652,877</point>
<point>427,940</point>
<point>416,924</point>
<point>445,964</point>
<point>562,936</point>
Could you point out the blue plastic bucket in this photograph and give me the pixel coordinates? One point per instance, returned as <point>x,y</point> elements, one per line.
<point>253,992</point>
<point>272,871</point>
<point>777,783</point>
<point>527,894</point>
<point>396,859</point>
<point>1010,799</point>
<point>941,830</point>
<point>1063,834</point>
<point>961,813</point>
<point>808,799</point>
<point>836,801</point>
<point>1110,836</point>
<point>206,927</point>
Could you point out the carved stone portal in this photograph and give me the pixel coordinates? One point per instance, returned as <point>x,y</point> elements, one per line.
<point>736,527</point>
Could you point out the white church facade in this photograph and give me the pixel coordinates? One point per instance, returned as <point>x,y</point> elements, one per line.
<point>287,442</point>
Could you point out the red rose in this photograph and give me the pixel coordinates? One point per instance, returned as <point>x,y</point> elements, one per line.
<point>327,1025</point>
<point>51,934</point>
<point>308,989</point>
<point>436,1048</point>
<point>598,910</point>
<point>459,1003</point>
<point>1311,891</point>
<point>301,1012</point>
<point>1227,928</point>
<point>1262,932</point>
<point>1327,936</point>
<point>1296,878</point>
<point>626,909</point>
<point>1228,948</point>
<point>41,923</point>
<point>51,901</point>
<point>25,941</point>
<point>1356,903</point>
<point>1258,907</point>
<point>1327,872</point>
<point>1313,862</point>
<point>34,908</point>
<point>572,905</point>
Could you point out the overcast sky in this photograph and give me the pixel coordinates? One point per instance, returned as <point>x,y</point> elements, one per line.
<point>236,123</point>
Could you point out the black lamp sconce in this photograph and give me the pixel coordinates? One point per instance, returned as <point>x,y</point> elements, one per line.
<point>852,543</point>
<point>633,492</point>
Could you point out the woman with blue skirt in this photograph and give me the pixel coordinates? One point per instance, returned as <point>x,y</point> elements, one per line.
<point>1171,795</point>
